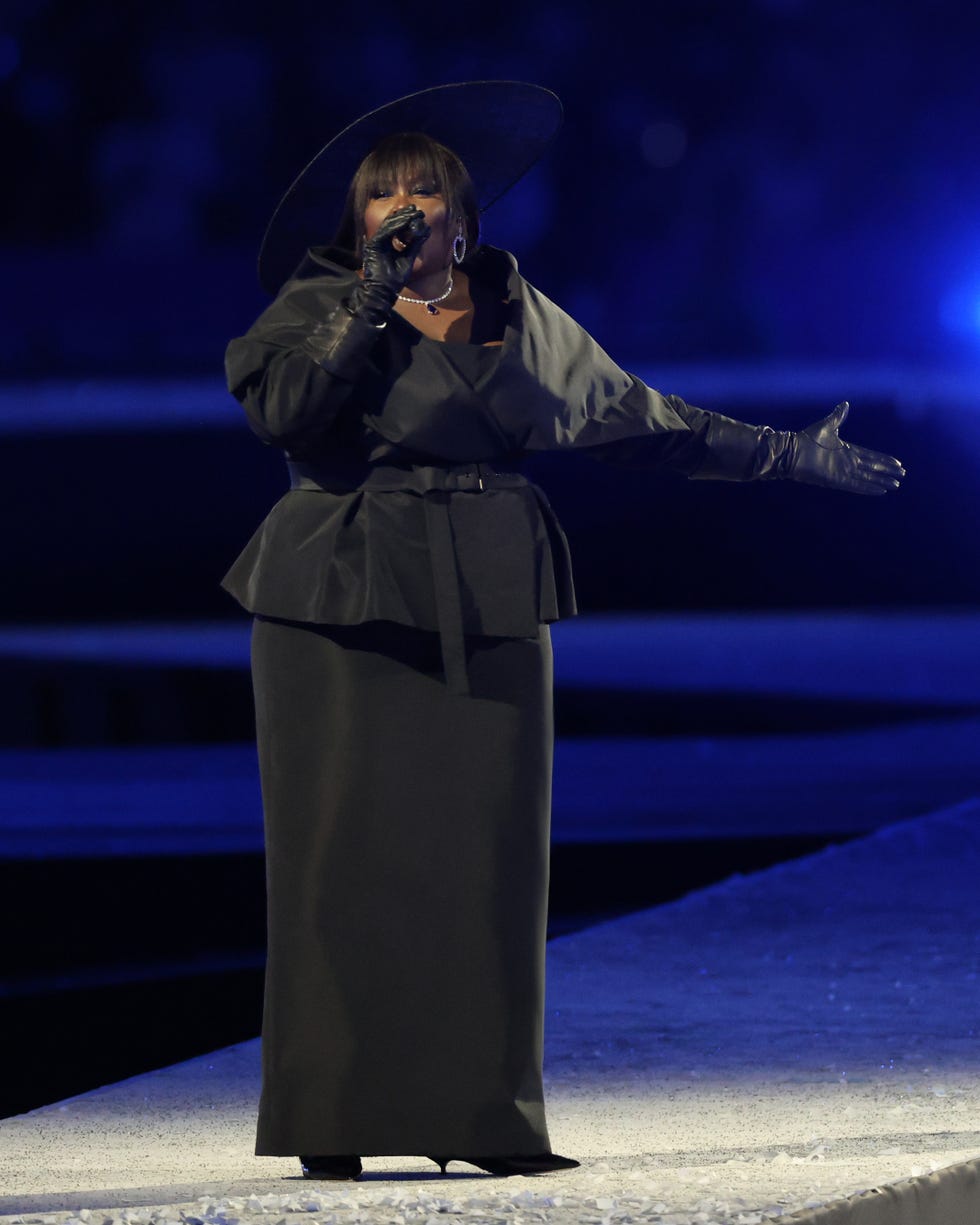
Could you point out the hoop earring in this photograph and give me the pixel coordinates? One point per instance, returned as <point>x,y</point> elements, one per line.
<point>458,255</point>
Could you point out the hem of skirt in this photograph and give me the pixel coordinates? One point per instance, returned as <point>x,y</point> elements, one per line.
<point>531,1151</point>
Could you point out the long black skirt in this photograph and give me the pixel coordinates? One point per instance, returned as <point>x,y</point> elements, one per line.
<point>407,837</point>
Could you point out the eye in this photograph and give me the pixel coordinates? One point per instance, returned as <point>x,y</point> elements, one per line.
<point>425,189</point>
<point>380,193</point>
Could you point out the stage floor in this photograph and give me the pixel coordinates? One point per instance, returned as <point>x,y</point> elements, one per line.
<point>764,1047</point>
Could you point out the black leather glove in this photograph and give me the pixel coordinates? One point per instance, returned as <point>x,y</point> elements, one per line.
<point>737,451</point>
<point>388,257</point>
<point>341,342</point>
<point>819,456</point>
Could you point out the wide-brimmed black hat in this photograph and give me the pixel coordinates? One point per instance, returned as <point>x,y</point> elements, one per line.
<point>498,129</point>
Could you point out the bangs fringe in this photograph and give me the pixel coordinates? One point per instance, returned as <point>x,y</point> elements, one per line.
<point>402,158</point>
<point>406,156</point>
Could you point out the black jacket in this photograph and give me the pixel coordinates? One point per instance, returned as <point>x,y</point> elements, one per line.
<point>397,511</point>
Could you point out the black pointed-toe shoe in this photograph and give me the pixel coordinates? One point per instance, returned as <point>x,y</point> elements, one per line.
<point>519,1163</point>
<point>336,1168</point>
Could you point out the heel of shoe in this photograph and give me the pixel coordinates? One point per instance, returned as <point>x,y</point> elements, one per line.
<point>538,1163</point>
<point>506,1167</point>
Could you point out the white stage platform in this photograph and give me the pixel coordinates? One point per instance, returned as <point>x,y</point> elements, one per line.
<point>760,1050</point>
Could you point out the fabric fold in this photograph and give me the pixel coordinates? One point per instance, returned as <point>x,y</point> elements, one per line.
<point>456,549</point>
<point>417,545</point>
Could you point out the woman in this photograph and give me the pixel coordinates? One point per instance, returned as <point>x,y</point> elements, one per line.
<point>402,592</point>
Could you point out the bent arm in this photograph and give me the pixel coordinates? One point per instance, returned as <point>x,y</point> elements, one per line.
<point>295,368</point>
<point>293,375</point>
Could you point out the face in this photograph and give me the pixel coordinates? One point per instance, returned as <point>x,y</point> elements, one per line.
<point>436,253</point>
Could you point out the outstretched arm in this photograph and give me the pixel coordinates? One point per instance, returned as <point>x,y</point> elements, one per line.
<point>720,448</point>
<point>590,403</point>
<point>816,455</point>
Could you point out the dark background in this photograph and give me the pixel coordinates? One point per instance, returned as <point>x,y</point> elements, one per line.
<point>768,178</point>
<point>783,190</point>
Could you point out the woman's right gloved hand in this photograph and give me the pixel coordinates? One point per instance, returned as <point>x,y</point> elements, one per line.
<point>388,257</point>
<point>341,342</point>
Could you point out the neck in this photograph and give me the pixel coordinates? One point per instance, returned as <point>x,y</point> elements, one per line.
<point>428,286</point>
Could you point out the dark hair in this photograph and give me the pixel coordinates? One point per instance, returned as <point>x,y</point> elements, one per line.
<point>403,156</point>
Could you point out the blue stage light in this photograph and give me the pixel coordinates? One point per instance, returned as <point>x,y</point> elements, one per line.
<point>960,310</point>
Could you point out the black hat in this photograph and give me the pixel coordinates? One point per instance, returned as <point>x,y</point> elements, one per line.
<point>498,129</point>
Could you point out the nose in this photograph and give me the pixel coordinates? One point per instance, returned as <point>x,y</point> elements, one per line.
<point>399,199</point>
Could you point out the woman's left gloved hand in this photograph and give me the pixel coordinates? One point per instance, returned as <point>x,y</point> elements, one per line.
<point>818,455</point>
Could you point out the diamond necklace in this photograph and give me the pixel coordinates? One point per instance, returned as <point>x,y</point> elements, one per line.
<point>430,303</point>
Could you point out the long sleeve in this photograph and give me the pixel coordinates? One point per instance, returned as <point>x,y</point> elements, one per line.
<point>587,401</point>
<point>295,368</point>
<point>712,447</point>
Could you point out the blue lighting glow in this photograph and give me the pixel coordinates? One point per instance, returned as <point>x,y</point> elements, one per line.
<point>960,310</point>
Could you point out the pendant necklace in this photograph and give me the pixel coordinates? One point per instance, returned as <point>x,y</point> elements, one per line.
<point>430,303</point>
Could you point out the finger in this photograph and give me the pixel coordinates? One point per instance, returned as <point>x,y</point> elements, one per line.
<point>884,479</point>
<point>868,483</point>
<point>824,432</point>
<point>390,225</point>
<point>877,460</point>
<point>875,482</point>
<point>398,220</point>
<point>418,223</point>
<point>402,214</point>
<point>417,243</point>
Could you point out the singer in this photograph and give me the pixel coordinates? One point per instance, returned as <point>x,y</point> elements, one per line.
<point>401,594</point>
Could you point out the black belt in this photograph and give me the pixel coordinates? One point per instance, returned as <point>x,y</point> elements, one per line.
<point>435,483</point>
